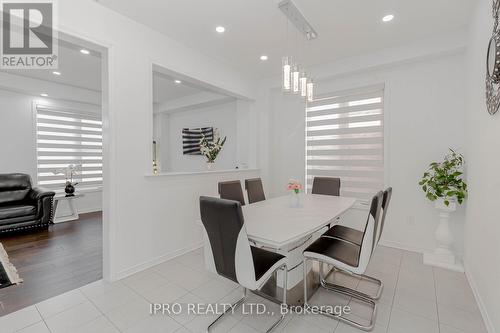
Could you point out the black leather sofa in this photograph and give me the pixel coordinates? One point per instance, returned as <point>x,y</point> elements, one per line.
<point>21,206</point>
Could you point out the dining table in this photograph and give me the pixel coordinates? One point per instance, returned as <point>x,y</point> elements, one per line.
<point>287,225</point>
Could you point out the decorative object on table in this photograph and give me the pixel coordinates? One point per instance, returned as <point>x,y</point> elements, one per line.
<point>294,79</point>
<point>191,138</point>
<point>443,184</point>
<point>493,64</point>
<point>155,162</point>
<point>23,207</point>
<point>69,173</point>
<point>211,149</point>
<point>8,273</point>
<point>294,186</point>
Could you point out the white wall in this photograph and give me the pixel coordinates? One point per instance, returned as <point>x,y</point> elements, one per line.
<point>222,117</point>
<point>482,234</point>
<point>146,219</point>
<point>18,141</point>
<point>425,113</point>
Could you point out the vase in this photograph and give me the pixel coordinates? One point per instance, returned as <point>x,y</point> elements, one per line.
<point>294,199</point>
<point>210,165</point>
<point>69,189</point>
<point>443,255</point>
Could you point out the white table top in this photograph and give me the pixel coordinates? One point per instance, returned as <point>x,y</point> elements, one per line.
<point>62,196</point>
<point>275,223</point>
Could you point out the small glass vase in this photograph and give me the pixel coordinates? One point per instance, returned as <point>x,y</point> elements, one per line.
<point>210,165</point>
<point>294,199</point>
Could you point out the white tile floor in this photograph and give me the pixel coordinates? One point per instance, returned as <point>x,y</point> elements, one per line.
<point>416,298</point>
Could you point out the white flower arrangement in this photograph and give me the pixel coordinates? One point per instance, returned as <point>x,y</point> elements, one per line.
<point>69,172</point>
<point>210,149</point>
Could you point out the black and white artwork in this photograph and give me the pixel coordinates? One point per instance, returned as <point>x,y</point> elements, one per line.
<point>191,139</point>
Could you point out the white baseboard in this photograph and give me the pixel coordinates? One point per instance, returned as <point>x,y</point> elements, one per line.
<point>155,261</point>
<point>482,308</point>
<point>401,246</point>
<point>89,210</point>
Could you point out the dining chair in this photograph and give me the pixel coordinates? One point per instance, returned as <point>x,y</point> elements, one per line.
<point>255,190</point>
<point>353,235</point>
<point>232,256</point>
<point>356,237</point>
<point>347,257</point>
<point>231,190</point>
<point>326,186</point>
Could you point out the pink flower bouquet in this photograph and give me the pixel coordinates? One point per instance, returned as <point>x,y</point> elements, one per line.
<point>294,185</point>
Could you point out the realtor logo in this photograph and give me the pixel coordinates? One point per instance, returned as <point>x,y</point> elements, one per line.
<point>28,35</point>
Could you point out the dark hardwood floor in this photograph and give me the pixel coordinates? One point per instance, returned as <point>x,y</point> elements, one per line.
<point>51,262</point>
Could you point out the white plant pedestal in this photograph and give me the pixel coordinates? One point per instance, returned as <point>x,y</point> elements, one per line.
<point>443,255</point>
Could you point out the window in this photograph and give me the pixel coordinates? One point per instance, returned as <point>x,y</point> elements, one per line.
<point>64,138</point>
<point>345,139</point>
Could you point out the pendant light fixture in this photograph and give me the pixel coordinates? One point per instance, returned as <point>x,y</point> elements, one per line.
<point>286,84</point>
<point>303,84</point>
<point>294,79</point>
<point>310,90</point>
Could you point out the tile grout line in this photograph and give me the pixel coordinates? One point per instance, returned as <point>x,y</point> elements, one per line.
<point>395,290</point>
<point>43,319</point>
<point>98,309</point>
<point>435,293</point>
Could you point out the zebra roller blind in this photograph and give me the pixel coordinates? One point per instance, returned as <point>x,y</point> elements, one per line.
<point>64,138</point>
<point>345,139</point>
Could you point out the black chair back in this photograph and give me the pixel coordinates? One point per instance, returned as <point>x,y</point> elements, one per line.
<point>385,205</point>
<point>223,222</point>
<point>374,217</point>
<point>231,190</point>
<point>326,186</point>
<point>255,190</point>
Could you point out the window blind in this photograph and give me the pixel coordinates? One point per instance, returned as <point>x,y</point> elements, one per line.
<point>345,139</point>
<point>64,138</point>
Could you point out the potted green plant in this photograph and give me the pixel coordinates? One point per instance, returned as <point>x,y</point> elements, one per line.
<point>443,183</point>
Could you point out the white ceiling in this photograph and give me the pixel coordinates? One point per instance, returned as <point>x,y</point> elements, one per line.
<point>77,69</point>
<point>254,27</point>
<point>165,89</point>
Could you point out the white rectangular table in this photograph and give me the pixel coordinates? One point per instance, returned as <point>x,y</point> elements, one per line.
<point>276,225</point>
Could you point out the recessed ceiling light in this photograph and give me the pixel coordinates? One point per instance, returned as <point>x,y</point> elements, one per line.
<point>220,29</point>
<point>388,18</point>
<point>44,95</point>
<point>178,81</point>
<point>264,57</point>
<point>56,73</point>
<point>85,51</point>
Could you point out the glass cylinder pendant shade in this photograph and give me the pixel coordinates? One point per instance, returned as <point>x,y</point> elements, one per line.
<point>295,79</point>
<point>286,75</point>
<point>303,84</point>
<point>310,90</point>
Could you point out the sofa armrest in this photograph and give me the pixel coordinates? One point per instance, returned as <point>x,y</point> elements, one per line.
<point>37,193</point>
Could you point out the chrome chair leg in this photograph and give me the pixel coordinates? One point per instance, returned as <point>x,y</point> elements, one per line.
<point>339,288</point>
<point>242,300</point>
<point>346,291</point>
<point>232,308</point>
